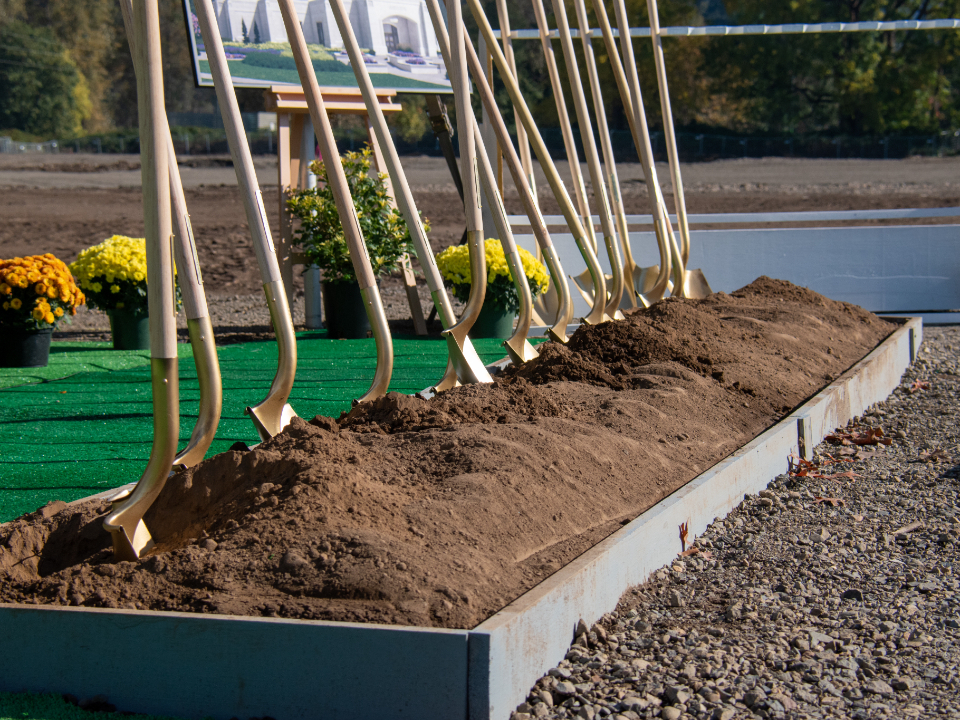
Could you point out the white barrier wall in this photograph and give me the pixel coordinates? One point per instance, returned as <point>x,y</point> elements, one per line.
<point>881,268</point>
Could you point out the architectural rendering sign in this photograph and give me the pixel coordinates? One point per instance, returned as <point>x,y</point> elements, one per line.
<point>400,47</point>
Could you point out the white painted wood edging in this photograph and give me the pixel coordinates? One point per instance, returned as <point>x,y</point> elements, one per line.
<point>194,666</point>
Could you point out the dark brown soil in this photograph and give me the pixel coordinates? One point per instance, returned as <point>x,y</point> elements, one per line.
<point>439,512</point>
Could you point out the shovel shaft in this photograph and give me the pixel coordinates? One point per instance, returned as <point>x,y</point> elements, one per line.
<point>273,412</point>
<point>184,244</point>
<point>125,522</point>
<point>668,129</point>
<point>237,140</point>
<point>606,148</point>
<point>641,137</point>
<point>546,163</point>
<point>191,283</point>
<point>566,129</point>
<point>517,346</point>
<point>344,202</point>
<point>590,148</point>
<point>211,392</point>
<point>469,171</point>
<point>526,162</point>
<point>565,307</point>
<point>404,195</point>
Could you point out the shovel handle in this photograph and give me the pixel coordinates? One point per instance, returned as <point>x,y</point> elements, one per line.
<point>565,313</point>
<point>125,522</point>
<point>593,158</point>
<point>546,162</point>
<point>668,129</point>
<point>404,195</point>
<point>566,129</point>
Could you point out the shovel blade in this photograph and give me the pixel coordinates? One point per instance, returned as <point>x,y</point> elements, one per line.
<point>695,285</point>
<point>470,368</point>
<point>270,423</point>
<point>131,546</point>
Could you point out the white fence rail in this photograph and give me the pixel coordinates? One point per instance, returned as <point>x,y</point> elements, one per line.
<point>788,29</point>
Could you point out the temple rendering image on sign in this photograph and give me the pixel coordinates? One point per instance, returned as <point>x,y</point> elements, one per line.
<point>399,43</point>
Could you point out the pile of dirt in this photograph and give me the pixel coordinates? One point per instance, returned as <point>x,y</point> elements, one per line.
<point>439,512</point>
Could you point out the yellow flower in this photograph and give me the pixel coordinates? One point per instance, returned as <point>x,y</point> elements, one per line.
<point>138,276</point>
<point>37,314</point>
<point>58,312</point>
<point>96,287</point>
<point>5,289</point>
<point>49,318</point>
<point>114,289</point>
<point>6,305</point>
<point>16,303</point>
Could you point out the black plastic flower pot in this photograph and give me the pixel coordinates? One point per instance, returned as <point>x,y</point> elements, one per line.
<point>131,331</point>
<point>344,312</point>
<point>25,348</point>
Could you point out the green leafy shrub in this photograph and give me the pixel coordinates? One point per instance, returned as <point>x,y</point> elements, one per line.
<point>320,235</point>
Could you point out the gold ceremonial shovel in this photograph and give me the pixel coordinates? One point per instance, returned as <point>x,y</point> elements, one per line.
<point>464,365</point>
<point>564,312</point>
<point>274,413</point>
<point>194,299</point>
<point>125,523</point>
<point>518,347</point>
<point>590,150</point>
<point>695,284</point>
<point>344,202</point>
<point>469,173</point>
<point>597,313</point>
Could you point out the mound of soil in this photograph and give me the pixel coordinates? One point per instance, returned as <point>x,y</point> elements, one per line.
<point>439,512</point>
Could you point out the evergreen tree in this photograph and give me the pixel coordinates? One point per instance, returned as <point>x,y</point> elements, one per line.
<point>243,30</point>
<point>41,89</point>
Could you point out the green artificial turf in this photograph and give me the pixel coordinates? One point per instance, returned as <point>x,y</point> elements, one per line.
<point>84,424</point>
<point>50,706</point>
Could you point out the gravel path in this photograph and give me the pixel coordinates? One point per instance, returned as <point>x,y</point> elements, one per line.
<point>821,597</point>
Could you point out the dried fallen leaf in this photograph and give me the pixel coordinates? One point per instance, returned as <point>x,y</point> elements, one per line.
<point>872,436</point>
<point>850,474</point>
<point>683,537</point>
<point>831,501</point>
<point>918,385</point>
<point>936,455</point>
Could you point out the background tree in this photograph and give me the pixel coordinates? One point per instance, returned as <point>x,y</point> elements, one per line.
<point>41,89</point>
<point>853,83</point>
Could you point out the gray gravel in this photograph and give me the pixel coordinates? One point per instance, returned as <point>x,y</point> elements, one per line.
<point>803,608</point>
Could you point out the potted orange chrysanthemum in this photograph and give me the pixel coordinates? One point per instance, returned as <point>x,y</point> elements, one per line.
<point>36,293</point>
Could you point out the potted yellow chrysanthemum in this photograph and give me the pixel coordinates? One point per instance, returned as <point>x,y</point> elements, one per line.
<point>113,275</point>
<point>501,304</point>
<point>36,292</point>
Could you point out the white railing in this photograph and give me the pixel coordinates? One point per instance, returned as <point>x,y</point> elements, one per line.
<point>788,29</point>
<point>9,145</point>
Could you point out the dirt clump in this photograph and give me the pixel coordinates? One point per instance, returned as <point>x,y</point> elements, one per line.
<point>439,512</point>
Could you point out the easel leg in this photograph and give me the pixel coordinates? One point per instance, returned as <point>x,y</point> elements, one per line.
<point>409,279</point>
<point>443,131</point>
<point>284,244</point>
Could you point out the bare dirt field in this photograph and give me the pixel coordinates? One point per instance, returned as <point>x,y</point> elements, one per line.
<point>64,203</point>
